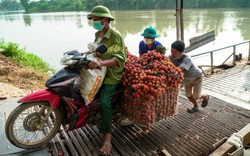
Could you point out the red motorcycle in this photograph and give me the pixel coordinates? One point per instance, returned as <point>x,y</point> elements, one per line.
<point>40,115</point>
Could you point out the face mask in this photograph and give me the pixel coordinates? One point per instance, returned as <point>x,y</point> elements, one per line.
<point>178,57</point>
<point>147,41</point>
<point>98,25</point>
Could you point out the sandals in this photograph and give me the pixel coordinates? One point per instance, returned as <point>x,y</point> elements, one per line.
<point>106,149</point>
<point>192,110</point>
<point>204,103</point>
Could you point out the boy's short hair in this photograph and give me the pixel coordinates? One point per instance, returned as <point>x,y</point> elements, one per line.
<point>178,45</point>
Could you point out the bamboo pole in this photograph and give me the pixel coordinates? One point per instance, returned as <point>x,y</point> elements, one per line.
<point>248,50</point>
<point>212,62</point>
<point>234,51</point>
<point>182,22</point>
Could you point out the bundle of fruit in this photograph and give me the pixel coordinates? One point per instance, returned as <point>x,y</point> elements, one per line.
<point>151,88</point>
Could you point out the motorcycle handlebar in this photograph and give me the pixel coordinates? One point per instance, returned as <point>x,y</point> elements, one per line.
<point>99,67</point>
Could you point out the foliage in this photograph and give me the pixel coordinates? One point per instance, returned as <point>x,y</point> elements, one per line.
<point>23,58</point>
<point>25,4</point>
<point>10,5</point>
<point>161,49</point>
<point>83,5</point>
<point>215,3</point>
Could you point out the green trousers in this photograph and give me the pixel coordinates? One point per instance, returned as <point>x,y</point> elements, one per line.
<point>107,92</point>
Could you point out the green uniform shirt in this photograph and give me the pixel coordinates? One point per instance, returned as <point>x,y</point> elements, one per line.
<point>116,50</point>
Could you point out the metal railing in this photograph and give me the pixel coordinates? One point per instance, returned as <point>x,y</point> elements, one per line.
<point>234,47</point>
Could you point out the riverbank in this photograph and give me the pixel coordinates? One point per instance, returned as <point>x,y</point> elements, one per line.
<point>17,81</point>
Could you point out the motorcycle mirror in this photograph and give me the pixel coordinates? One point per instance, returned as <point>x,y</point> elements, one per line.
<point>102,48</point>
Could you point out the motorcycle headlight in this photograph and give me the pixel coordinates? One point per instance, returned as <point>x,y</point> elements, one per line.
<point>66,60</point>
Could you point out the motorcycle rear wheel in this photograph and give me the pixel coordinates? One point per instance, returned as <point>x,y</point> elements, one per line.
<point>27,128</point>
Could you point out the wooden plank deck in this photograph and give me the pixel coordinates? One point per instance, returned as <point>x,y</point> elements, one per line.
<point>187,134</point>
<point>182,135</point>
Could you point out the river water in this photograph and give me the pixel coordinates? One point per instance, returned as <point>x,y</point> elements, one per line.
<point>48,35</point>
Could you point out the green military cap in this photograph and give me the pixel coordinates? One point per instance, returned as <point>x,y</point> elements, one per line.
<point>100,11</point>
<point>149,32</point>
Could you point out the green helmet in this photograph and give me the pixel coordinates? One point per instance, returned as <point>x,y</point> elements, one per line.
<point>149,32</point>
<point>100,11</point>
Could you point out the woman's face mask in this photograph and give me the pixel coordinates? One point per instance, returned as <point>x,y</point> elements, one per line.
<point>98,25</point>
<point>148,41</point>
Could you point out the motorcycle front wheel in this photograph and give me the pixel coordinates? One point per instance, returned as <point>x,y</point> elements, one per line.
<point>32,125</point>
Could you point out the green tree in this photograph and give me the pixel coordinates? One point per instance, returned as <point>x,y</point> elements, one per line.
<point>10,5</point>
<point>81,5</point>
<point>1,7</point>
<point>25,4</point>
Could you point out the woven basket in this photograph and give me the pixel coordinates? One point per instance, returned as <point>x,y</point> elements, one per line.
<point>144,111</point>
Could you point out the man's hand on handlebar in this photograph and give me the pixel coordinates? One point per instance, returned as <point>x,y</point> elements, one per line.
<point>95,65</point>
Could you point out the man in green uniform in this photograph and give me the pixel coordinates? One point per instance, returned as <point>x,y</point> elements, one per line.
<point>114,59</point>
